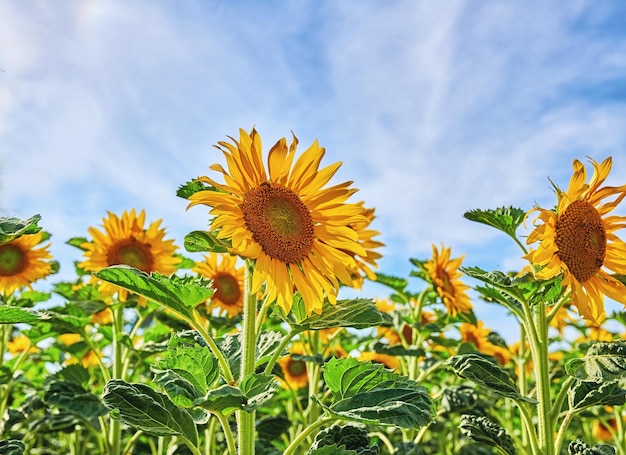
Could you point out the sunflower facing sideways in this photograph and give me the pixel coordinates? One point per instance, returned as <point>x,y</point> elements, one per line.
<point>227,281</point>
<point>22,263</point>
<point>445,276</point>
<point>298,233</point>
<point>578,240</point>
<point>125,241</point>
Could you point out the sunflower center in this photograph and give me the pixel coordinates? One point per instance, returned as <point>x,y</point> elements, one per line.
<point>581,240</point>
<point>131,252</point>
<point>12,260</point>
<point>227,289</point>
<point>296,368</point>
<point>279,222</point>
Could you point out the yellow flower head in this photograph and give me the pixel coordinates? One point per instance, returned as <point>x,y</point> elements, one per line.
<point>299,233</point>
<point>21,263</point>
<point>369,244</point>
<point>579,241</point>
<point>390,361</point>
<point>125,241</point>
<point>227,282</point>
<point>445,275</point>
<point>477,335</point>
<point>294,370</point>
<point>20,344</point>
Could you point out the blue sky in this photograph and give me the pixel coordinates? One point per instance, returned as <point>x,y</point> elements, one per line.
<point>434,108</point>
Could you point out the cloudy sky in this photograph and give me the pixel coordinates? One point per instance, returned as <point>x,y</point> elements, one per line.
<point>434,108</point>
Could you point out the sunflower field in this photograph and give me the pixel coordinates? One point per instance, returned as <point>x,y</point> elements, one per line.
<point>249,349</point>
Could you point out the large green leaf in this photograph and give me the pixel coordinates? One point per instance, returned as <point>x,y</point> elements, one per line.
<point>267,343</point>
<point>12,228</point>
<point>485,373</point>
<point>480,429</point>
<point>15,315</point>
<point>342,440</point>
<point>355,313</point>
<point>369,393</point>
<point>579,447</point>
<point>258,390</point>
<point>505,219</point>
<point>76,400</point>
<point>393,282</point>
<point>201,241</point>
<point>224,399</point>
<point>178,294</point>
<point>603,362</point>
<point>188,372</point>
<point>585,394</point>
<point>12,447</point>
<point>152,412</point>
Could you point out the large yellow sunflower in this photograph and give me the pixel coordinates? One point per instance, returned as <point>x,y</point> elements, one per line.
<point>298,232</point>
<point>227,281</point>
<point>21,263</point>
<point>125,241</point>
<point>579,241</point>
<point>445,275</point>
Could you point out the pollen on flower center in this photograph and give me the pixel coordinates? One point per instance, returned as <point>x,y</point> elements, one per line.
<point>12,260</point>
<point>581,239</point>
<point>279,222</point>
<point>227,289</point>
<point>131,252</point>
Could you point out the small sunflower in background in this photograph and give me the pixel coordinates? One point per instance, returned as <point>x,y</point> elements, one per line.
<point>24,261</point>
<point>478,336</point>
<point>227,281</point>
<point>19,344</point>
<point>370,245</point>
<point>124,240</point>
<point>389,361</point>
<point>445,276</point>
<point>579,240</point>
<point>298,232</point>
<point>294,369</point>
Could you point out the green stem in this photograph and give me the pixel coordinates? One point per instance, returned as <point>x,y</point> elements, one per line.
<point>560,398</point>
<point>115,431</point>
<point>528,424</point>
<point>248,347</point>
<point>281,347</point>
<point>562,430</point>
<point>306,433</point>
<point>546,429</point>
<point>230,440</point>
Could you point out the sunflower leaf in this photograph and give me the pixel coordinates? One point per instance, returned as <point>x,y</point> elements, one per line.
<point>355,313</point>
<point>482,430</point>
<point>585,394</point>
<point>224,399</point>
<point>143,408</point>
<point>505,219</point>
<point>258,389</point>
<point>368,393</point>
<point>602,362</point>
<point>343,440</point>
<point>76,400</point>
<point>202,241</point>
<point>395,283</point>
<point>188,372</point>
<point>13,228</point>
<point>14,315</point>
<point>579,447</point>
<point>178,294</point>
<point>12,447</point>
<point>485,373</point>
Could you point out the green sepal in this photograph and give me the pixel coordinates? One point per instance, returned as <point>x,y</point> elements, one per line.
<point>193,186</point>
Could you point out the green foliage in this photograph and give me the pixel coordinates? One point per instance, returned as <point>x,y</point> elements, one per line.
<point>368,393</point>
<point>484,431</point>
<point>204,241</point>
<point>74,399</point>
<point>505,219</point>
<point>346,440</point>
<point>13,228</point>
<point>604,361</point>
<point>579,447</point>
<point>584,394</point>
<point>143,408</point>
<point>225,399</point>
<point>355,313</point>
<point>460,399</point>
<point>486,373</point>
<point>179,294</point>
<point>15,315</point>
<point>393,282</point>
<point>12,447</point>
<point>193,186</point>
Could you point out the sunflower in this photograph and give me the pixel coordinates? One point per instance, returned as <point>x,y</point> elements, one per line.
<point>477,335</point>
<point>299,234</point>
<point>578,240</point>
<point>294,369</point>
<point>444,273</point>
<point>19,344</point>
<point>227,282</point>
<point>21,263</point>
<point>389,361</point>
<point>125,241</point>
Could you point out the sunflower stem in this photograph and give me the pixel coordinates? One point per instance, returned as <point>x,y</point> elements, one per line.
<point>118,327</point>
<point>248,347</point>
<point>546,429</point>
